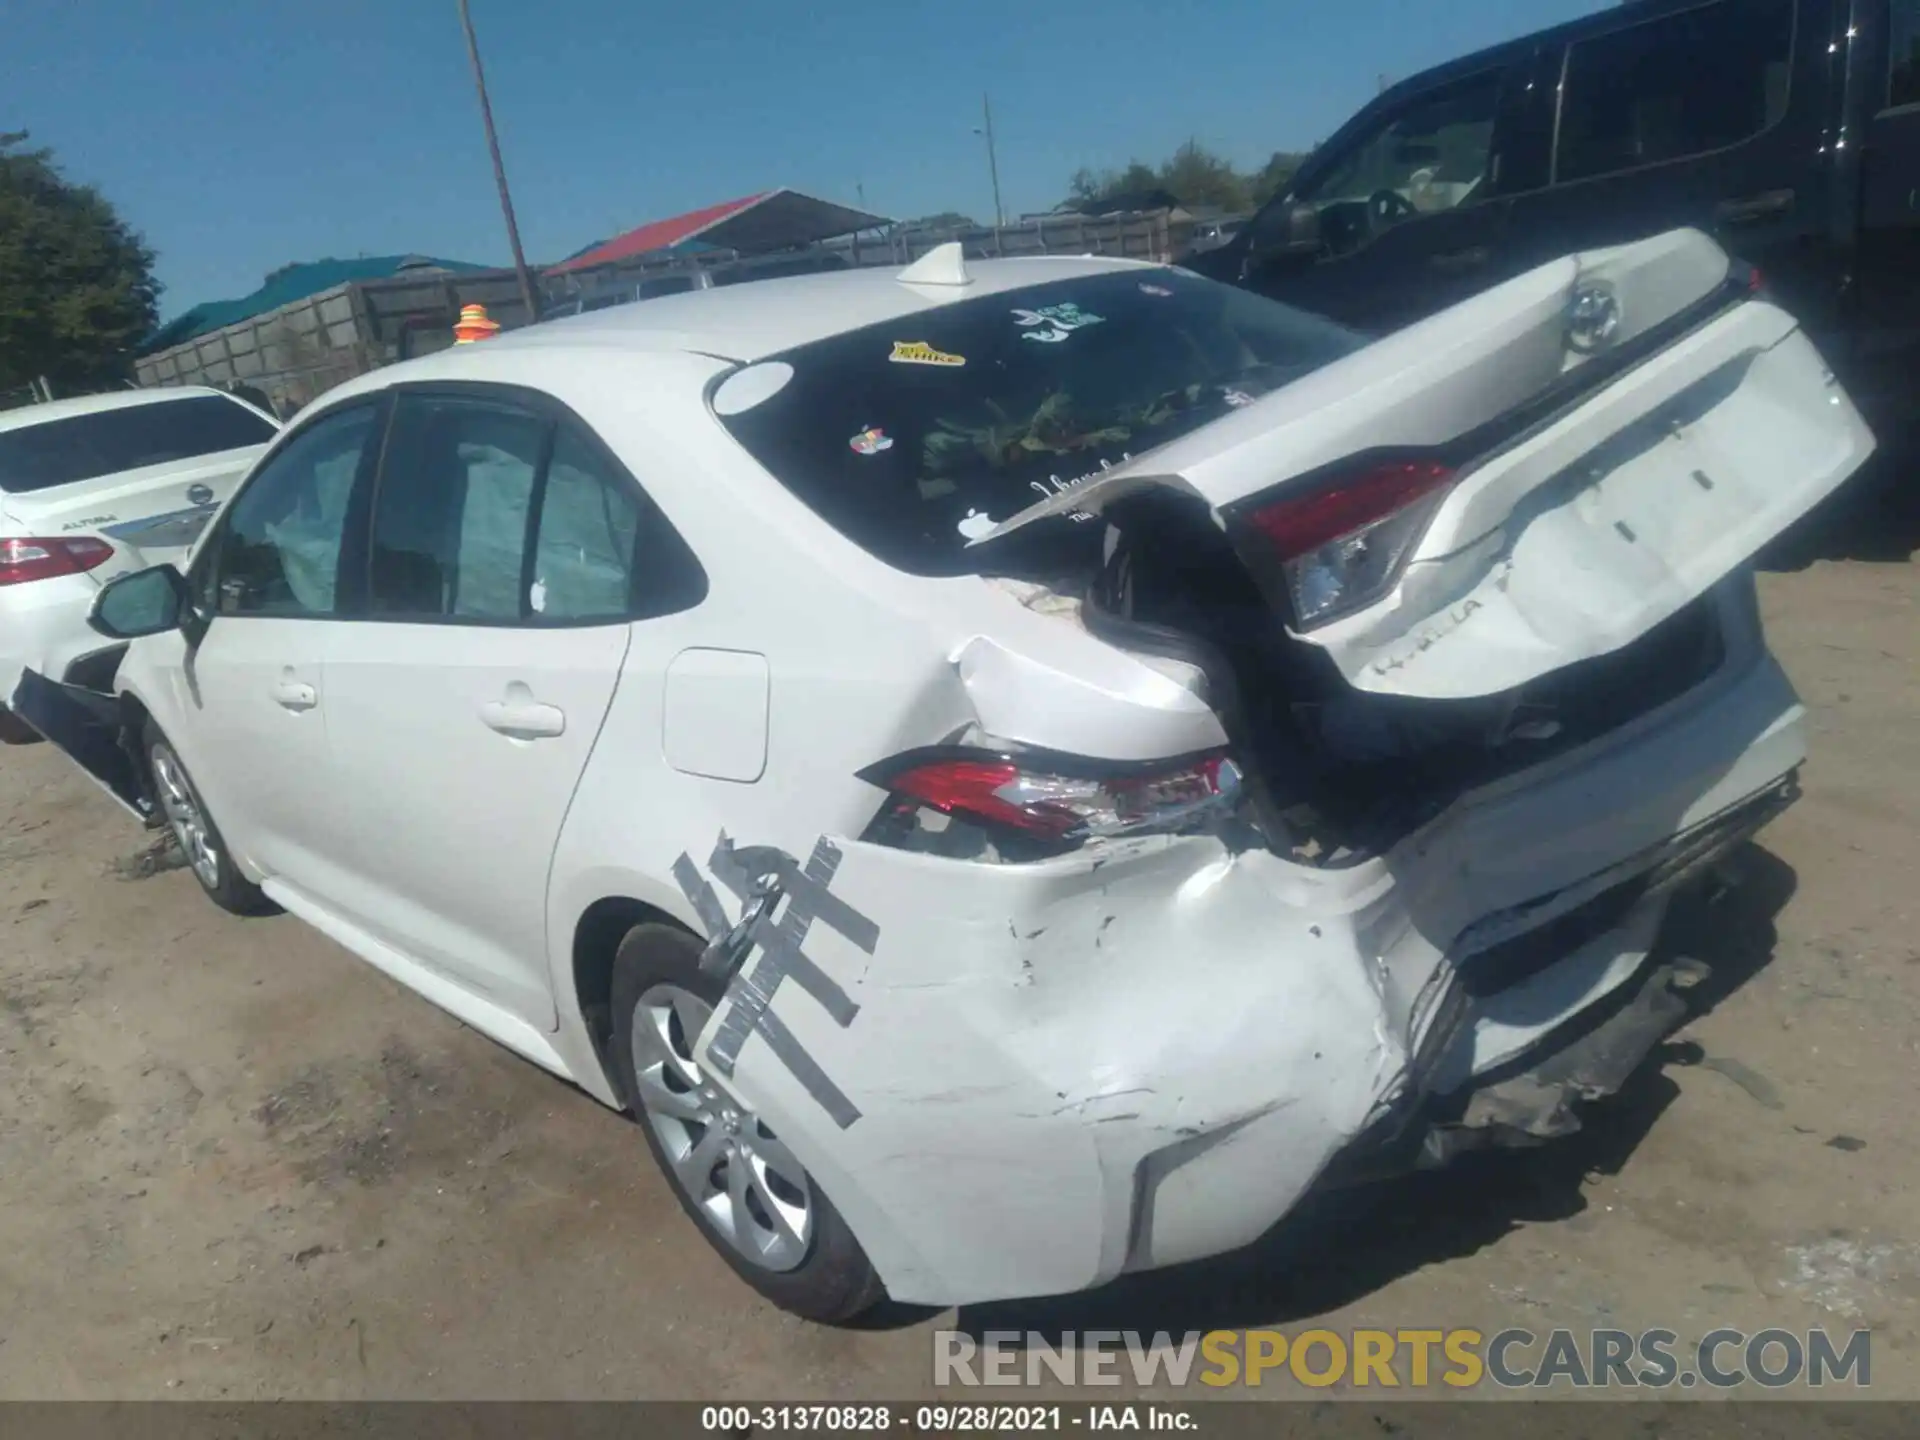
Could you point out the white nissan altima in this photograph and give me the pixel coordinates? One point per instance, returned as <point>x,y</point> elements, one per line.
<point>93,487</point>
<point>1012,772</point>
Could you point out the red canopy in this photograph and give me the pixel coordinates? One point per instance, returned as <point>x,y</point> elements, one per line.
<point>771,220</point>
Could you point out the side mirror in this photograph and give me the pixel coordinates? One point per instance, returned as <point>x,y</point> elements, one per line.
<point>1284,231</point>
<point>145,602</point>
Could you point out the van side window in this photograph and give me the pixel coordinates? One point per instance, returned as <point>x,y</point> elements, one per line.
<point>1431,153</point>
<point>1682,85</point>
<point>1903,37</point>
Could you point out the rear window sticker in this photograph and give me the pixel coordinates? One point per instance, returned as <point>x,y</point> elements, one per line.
<point>1237,398</point>
<point>1051,324</point>
<point>1155,290</point>
<point>871,441</point>
<point>919,352</point>
<point>976,523</point>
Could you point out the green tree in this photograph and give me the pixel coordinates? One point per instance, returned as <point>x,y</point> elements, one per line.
<point>945,220</point>
<point>1196,176</point>
<point>77,292</point>
<point>1090,185</point>
<point>1274,176</point>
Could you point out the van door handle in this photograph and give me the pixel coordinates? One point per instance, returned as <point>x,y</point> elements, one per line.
<point>519,716</point>
<point>1749,208</point>
<point>1466,259</point>
<point>295,695</point>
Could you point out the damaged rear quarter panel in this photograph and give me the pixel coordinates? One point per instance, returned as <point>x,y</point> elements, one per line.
<point>1146,1051</point>
<point>1026,1036</point>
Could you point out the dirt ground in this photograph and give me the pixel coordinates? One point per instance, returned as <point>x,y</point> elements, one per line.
<point>236,1162</point>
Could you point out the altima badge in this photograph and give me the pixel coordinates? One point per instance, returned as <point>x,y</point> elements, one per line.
<point>199,494</point>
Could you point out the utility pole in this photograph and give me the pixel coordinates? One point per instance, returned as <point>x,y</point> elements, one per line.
<point>499,170</point>
<point>993,160</point>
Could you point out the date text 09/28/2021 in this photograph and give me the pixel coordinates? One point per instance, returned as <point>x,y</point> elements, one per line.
<point>944,1419</point>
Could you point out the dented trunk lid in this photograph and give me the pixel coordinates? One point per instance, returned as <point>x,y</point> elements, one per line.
<point>1607,472</point>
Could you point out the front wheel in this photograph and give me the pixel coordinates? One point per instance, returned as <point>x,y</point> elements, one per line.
<point>752,1199</point>
<point>198,837</point>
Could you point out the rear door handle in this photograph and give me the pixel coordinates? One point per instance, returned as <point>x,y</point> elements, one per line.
<point>521,717</point>
<point>1749,208</point>
<point>1466,259</point>
<point>296,695</point>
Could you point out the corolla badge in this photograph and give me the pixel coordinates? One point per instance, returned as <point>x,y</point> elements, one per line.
<point>199,494</point>
<point>1593,319</point>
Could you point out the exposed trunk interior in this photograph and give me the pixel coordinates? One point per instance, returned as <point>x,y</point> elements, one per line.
<point>1341,774</point>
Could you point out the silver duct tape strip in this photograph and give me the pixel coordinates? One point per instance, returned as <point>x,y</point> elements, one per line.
<point>791,1053</point>
<point>737,867</point>
<point>794,964</point>
<point>745,871</point>
<point>700,895</point>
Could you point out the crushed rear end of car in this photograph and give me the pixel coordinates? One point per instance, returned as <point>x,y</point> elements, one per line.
<point>1326,825</point>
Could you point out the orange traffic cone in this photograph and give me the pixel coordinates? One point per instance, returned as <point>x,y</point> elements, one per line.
<point>474,325</point>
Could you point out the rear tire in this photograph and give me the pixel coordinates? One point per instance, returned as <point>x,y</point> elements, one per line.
<point>198,837</point>
<point>756,1206</point>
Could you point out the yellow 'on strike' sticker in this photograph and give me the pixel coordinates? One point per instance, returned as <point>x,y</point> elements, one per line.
<point>918,352</point>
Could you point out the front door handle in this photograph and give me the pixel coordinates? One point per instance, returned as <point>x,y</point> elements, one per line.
<point>1749,208</point>
<point>295,695</point>
<point>519,716</point>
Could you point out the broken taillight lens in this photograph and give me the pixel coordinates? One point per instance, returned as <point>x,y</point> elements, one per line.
<point>1056,800</point>
<point>28,558</point>
<point>1340,545</point>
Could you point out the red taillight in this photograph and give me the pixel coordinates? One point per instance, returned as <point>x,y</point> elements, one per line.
<point>1339,546</point>
<point>1297,524</point>
<point>970,787</point>
<point>1053,801</point>
<point>39,558</point>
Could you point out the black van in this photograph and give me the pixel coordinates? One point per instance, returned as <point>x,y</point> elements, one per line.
<point>1790,129</point>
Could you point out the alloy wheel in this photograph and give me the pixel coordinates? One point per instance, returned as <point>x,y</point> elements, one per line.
<point>742,1177</point>
<point>182,809</point>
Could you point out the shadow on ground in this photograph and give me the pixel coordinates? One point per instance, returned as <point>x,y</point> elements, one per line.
<point>1339,1248</point>
<point>1874,517</point>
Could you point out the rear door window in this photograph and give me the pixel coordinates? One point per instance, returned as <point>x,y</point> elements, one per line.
<point>86,447</point>
<point>451,514</point>
<point>914,436</point>
<point>494,512</point>
<point>1680,86</point>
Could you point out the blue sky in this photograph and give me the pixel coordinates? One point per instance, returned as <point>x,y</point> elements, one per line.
<point>238,137</point>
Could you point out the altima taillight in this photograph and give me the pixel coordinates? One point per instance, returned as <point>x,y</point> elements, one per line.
<point>1055,801</point>
<point>1340,545</point>
<point>29,558</point>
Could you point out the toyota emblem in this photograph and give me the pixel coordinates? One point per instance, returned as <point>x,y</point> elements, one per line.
<point>1593,319</point>
<point>199,494</point>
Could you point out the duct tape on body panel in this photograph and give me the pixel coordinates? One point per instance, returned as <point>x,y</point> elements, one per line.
<point>760,877</point>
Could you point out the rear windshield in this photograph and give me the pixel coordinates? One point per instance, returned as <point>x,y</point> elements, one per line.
<point>81,447</point>
<point>911,437</point>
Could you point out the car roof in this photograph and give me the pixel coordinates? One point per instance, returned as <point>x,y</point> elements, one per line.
<point>750,322</point>
<point>25,415</point>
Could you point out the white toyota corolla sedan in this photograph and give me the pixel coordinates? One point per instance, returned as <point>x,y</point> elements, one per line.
<point>1013,772</point>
